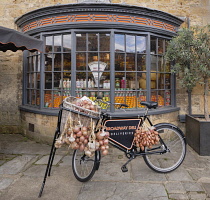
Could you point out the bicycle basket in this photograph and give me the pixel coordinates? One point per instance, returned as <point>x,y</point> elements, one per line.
<point>74,107</point>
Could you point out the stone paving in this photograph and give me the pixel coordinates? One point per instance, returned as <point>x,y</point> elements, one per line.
<point>23,163</point>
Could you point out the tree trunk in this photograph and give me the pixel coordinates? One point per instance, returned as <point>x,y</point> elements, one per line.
<point>206,92</point>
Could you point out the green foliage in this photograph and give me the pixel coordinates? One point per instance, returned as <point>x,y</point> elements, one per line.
<point>190,51</point>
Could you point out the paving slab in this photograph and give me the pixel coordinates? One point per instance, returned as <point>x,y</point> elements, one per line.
<point>5,182</point>
<point>17,164</point>
<point>178,197</point>
<point>196,196</point>
<point>192,187</point>
<point>206,187</point>
<point>180,174</point>
<point>175,188</point>
<point>44,160</point>
<point>141,172</point>
<point>122,191</point>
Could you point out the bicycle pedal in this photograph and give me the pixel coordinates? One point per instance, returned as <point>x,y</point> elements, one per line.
<point>124,168</point>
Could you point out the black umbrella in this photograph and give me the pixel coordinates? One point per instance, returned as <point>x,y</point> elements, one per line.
<point>13,40</point>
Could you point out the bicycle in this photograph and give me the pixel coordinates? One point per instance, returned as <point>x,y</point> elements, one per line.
<point>165,155</point>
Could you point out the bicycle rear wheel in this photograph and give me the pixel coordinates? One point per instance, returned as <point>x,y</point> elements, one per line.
<point>175,150</point>
<point>83,166</point>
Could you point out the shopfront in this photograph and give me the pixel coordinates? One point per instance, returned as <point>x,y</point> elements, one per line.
<point>110,50</point>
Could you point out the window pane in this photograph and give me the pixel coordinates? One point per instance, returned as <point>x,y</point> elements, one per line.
<point>153,63</point>
<point>153,46</point>
<point>160,46</point>
<point>81,61</point>
<point>48,80</point>
<point>130,43</point>
<point>119,43</point>
<point>141,44</point>
<point>92,57</point>
<point>119,62</point>
<point>49,43</point>
<point>57,62</point>
<point>141,62</point>
<point>105,57</point>
<point>66,62</point>
<point>93,41</point>
<point>130,62</point>
<point>57,43</point>
<point>57,78</point>
<point>48,62</point>
<point>104,42</point>
<point>81,42</point>
<point>67,43</point>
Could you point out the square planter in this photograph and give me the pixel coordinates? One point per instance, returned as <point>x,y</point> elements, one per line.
<point>198,134</point>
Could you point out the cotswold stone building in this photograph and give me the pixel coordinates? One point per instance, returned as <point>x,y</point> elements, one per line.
<point>125,40</point>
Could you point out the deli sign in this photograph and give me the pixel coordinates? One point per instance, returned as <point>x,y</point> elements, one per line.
<point>122,131</point>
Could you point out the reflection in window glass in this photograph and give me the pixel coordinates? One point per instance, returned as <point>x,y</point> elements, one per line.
<point>57,62</point>
<point>93,41</point>
<point>67,43</point>
<point>81,41</point>
<point>130,62</point>
<point>160,46</point>
<point>104,42</point>
<point>141,44</point>
<point>57,43</point>
<point>67,62</point>
<point>119,43</point>
<point>81,61</point>
<point>153,44</point>
<point>49,43</point>
<point>130,43</point>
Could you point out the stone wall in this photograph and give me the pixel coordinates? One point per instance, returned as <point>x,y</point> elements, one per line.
<point>198,12</point>
<point>42,127</point>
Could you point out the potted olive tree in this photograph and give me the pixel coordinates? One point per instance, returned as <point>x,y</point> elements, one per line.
<point>190,53</point>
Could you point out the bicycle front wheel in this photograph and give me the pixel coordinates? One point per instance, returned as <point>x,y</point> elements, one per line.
<point>170,151</point>
<point>83,166</point>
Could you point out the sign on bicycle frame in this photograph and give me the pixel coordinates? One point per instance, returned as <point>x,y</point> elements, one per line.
<point>122,131</point>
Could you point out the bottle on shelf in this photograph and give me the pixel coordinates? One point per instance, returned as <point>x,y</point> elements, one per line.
<point>117,83</point>
<point>123,82</point>
<point>78,83</point>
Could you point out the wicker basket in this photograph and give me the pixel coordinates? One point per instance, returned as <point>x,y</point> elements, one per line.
<point>78,114</point>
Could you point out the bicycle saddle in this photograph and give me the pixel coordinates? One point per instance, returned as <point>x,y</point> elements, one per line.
<point>149,104</point>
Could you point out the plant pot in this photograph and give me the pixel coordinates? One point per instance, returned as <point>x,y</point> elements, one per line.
<point>198,134</point>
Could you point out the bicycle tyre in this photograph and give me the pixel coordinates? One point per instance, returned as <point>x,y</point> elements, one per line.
<point>174,139</point>
<point>84,167</point>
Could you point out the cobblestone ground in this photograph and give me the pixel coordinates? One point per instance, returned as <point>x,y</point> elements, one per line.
<point>23,163</point>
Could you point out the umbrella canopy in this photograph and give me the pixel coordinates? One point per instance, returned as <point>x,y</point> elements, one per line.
<point>13,40</point>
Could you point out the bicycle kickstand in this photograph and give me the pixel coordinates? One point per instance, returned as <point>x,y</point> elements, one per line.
<point>124,167</point>
<point>50,161</point>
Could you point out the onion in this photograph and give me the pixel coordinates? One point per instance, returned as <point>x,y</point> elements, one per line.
<point>82,147</point>
<point>85,133</point>
<point>107,134</point>
<point>99,137</point>
<point>76,129</point>
<point>85,102</point>
<point>107,146</point>
<point>105,152</point>
<point>79,134</point>
<point>85,141</point>
<point>84,128</point>
<point>82,138</point>
<point>92,107</point>
<point>103,148</point>
<point>106,141</point>
<point>101,142</point>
